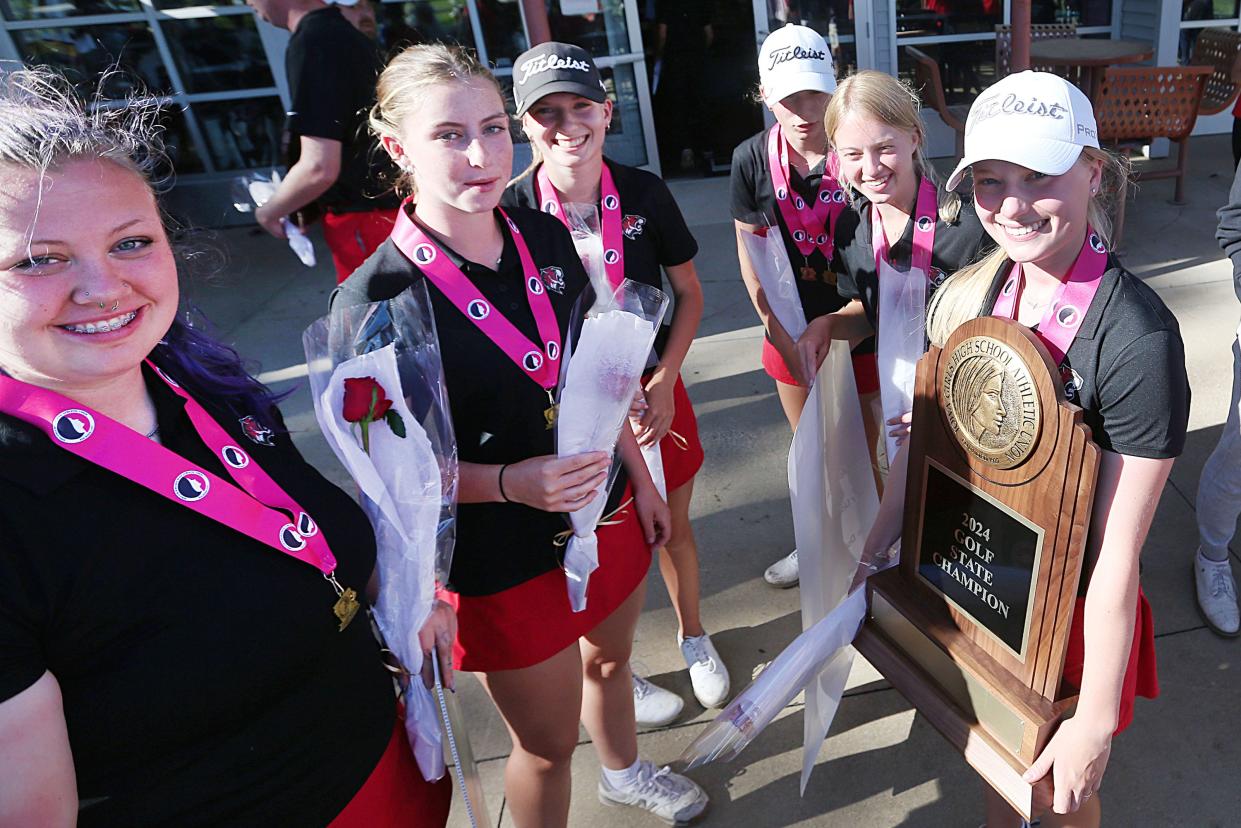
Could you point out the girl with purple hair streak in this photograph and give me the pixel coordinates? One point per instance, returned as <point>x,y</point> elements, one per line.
<point>178,587</point>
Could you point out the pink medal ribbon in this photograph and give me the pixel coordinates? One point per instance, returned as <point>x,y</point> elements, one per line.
<point>809,224</point>
<point>1067,311</point>
<point>253,504</point>
<point>610,220</point>
<point>924,218</point>
<point>539,362</point>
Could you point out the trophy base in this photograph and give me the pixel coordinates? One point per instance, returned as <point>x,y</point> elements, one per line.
<point>998,725</point>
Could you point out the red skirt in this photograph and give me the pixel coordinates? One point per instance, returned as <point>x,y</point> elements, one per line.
<point>681,450</point>
<point>532,621</point>
<point>865,369</point>
<point>1141,676</point>
<point>395,795</point>
<point>353,237</point>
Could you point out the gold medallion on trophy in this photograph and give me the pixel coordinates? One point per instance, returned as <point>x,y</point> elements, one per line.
<point>991,402</point>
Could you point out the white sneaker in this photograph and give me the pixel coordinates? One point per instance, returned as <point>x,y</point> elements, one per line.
<point>653,706</point>
<point>784,572</point>
<point>706,670</point>
<point>1217,595</point>
<point>670,796</point>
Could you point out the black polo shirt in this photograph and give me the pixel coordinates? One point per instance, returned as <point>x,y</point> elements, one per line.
<point>332,70</point>
<point>753,201</point>
<point>497,411</point>
<point>656,235</point>
<point>204,679</point>
<point>1126,368</point>
<point>958,244</point>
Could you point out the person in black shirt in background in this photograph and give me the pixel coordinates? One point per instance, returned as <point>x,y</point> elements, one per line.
<point>164,660</point>
<point>331,67</point>
<point>565,112</point>
<point>503,287</point>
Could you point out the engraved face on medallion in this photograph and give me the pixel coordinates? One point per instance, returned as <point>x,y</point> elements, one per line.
<point>991,402</point>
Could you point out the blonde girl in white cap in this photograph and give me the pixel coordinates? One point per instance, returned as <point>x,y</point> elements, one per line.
<point>1040,183</point>
<point>784,181</point>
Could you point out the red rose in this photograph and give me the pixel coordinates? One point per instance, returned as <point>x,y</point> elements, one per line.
<point>360,394</point>
<point>365,403</point>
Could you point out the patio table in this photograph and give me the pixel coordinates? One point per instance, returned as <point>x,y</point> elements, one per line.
<point>1087,56</point>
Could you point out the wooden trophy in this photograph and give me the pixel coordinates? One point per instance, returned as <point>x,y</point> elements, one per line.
<point>973,624</point>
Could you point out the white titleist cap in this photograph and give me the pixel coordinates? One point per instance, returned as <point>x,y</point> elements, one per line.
<point>1035,119</point>
<point>795,59</point>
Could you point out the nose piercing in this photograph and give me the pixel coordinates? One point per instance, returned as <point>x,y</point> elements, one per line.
<point>85,293</point>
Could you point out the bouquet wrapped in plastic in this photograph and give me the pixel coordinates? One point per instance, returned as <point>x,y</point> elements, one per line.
<point>770,260</point>
<point>604,359</point>
<point>834,504</point>
<point>253,190</point>
<point>377,381</point>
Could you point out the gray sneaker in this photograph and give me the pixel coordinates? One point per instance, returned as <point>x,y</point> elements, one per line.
<point>1217,595</point>
<point>675,799</point>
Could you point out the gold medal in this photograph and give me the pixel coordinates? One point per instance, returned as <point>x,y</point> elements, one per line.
<point>346,605</point>
<point>552,411</point>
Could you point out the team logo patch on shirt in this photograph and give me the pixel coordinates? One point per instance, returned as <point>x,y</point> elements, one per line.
<point>632,226</point>
<point>553,278</point>
<point>937,278</point>
<point>256,431</point>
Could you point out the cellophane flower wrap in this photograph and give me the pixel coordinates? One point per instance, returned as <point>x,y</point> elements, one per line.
<point>605,355</point>
<point>254,189</point>
<point>769,259</point>
<point>377,368</point>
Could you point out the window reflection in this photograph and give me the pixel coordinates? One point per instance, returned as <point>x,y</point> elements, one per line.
<point>182,154</point>
<point>817,14</point>
<point>423,21</point>
<point>965,69</point>
<point>503,34</point>
<point>36,10</point>
<point>242,134</point>
<point>920,18</point>
<point>86,53</point>
<point>601,33</point>
<point>216,54</point>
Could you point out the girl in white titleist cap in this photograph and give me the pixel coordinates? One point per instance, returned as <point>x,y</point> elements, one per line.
<point>784,181</point>
<point>1039,185</point>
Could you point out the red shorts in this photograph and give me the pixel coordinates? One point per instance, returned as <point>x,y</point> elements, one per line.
<point>865,369</point>
<point>532,621</point>
<point>1141,677</point>
<point>352,237</point>
<point>395,795</point>
<point>681,450</point>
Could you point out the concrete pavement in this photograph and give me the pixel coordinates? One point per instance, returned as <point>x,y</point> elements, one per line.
<point>882,765</point>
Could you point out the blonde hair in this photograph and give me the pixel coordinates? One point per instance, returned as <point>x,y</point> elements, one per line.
<point>960,298</point>
<point>45,123</point>
<point>890,101</point>
<point>405,79</point>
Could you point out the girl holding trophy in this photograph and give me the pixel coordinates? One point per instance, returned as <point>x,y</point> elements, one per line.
<point>1040,184</point>
<point>566,113</point>
<point>784,189</point>
<point>504,286</point>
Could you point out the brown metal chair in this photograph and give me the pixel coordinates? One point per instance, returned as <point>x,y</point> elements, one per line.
<point>930,88</point>
<point>1219,49</point>
<point>1038,31</point>
<point>1137,104</point>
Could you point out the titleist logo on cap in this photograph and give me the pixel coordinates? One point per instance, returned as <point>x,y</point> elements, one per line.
<point>794,53</point>
<point>1010,104</point>
<point>545,63</point>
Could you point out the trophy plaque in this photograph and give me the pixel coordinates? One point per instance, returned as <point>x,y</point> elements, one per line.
<point>973,624</point>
